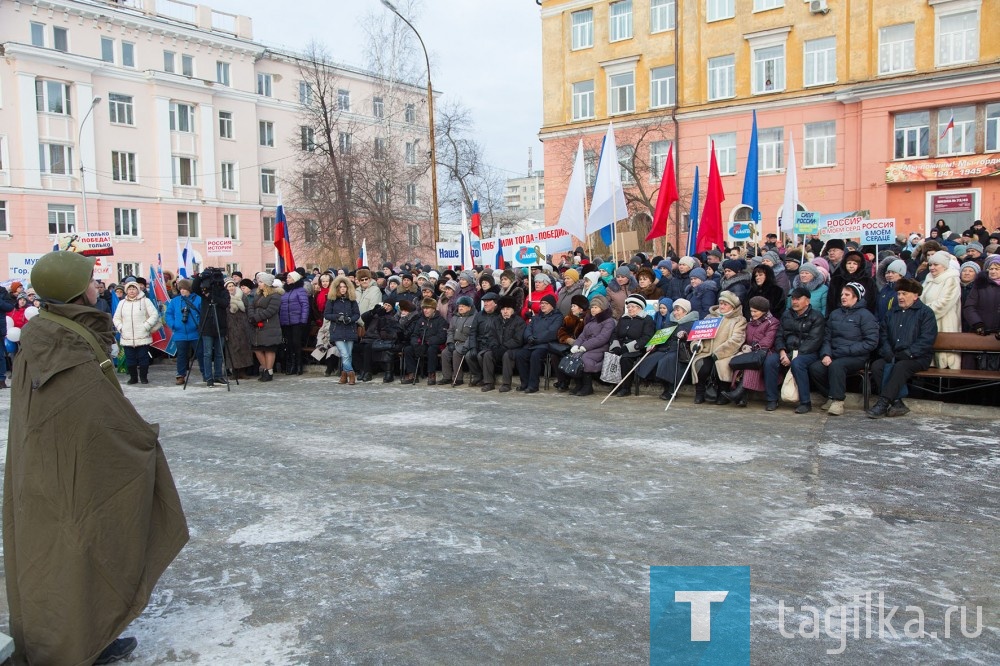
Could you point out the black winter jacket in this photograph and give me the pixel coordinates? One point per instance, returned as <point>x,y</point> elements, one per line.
<point>908,334</point>
<point>633,333</point>
<point>512,332</point>
<point>803,332</point>
<point>430,331</point>
<point>850,332</point>
<point>488,331</point>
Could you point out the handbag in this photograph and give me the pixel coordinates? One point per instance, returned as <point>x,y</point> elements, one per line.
<point>611,369</point>
<point>571,365</point>
<point>751,360</point>
<point>382,345</point>
<point>789,389</point>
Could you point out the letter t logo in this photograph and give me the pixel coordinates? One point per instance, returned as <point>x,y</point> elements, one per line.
<point>701,610</point>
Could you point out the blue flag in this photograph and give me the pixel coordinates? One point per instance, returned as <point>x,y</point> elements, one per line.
<point>693,216</point>
<point>751,188</point>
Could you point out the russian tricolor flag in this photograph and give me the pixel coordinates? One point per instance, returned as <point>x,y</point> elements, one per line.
<point>476,225</point>
<point>282,243</point>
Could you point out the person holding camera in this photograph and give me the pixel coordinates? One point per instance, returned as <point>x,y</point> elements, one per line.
<point>344,314</point>
<point>183,316</point>
<point>210,283</point>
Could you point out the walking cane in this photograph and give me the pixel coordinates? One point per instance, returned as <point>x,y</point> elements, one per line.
<point>678,385</point>
<point>634,368</point>
<point>458,372</point>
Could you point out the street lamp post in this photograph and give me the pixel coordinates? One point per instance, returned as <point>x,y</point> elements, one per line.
<point>430,120</point>
<point>79,147</point>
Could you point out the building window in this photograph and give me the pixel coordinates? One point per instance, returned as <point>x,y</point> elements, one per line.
<point>661,15</point>
<point>311,231</point>
<point>411,194</point>
<point>120,109</point>
<point>265,83</point>
<point>895,49</point>
<point>187,225</point>
<point>308,186</point>
<point>184,171</point>
<point>268,182</point>
<point>231,226</point>
<point>412,235</point>
<point>725,152</point>
<point>379,148</point>
<point>583,29</point>
<point>123,167</point>
<point>820,61</point>
<point>55,158</point>
<point>661,87</point>
<point>344,100</point>
<point>181,117</point>
<point>344,142</point>
<point>771,149</point>
<point>266,133</point>
<point>583,100</point>
<point>62,219</point>
<point>60,39</point>
<point>378,107</point>
<point>128,268</point>
<point>128,54</point>
<point>959,139</point>
<point>268,229</point>
<point>993,127</point>
<point>590,167</point>
<point>912,135</point>
<point>620,23</point>
<point>127,222</point>
<point>232,268</point>
<point>169,58</point>
<point>227,170</point>
<point>222,73</point>
<point>305,93</point>
<point>721,77</point>
<point>107,49</point>
<point>37,34</point>
<point>187,65</point>
<point>307,138</point>
<point>958,38</point>
<point>381,191</point>
<point>763,5</point>
<point>769,69</point>
<point>657,160</point>
<point>3,218</point>
<point>821,144</point>
<point>410,154</point>
<point>410,114</point>
<point>621,92</point>
<point>720,9</point>
<point>225,124</point>
<point>626,164</point>
<point>52,97</point>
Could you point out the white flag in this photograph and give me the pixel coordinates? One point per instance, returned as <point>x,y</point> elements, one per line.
<point>185,259</point>
<point>364,252</point>
<point>790,204</point>
<point>608,204</point>
<point>572,218</point>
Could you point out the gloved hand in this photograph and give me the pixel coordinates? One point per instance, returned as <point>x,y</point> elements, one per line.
<point>529,341</point>
<point>714,358</point>
<point>575,349</point>
<point>980,329</point>
<point>615,345</point>
<point>631,346</point>
<point>902,356</point>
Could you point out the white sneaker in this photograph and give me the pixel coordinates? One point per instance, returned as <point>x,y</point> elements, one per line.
<point>826,405</point>
<point>836,408</point>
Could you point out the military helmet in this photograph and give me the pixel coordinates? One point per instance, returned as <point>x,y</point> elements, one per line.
<point>62,276</point>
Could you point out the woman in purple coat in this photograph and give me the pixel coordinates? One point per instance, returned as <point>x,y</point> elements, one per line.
<point>598,329</point>
<point>294,318</point>
<point>762,330</point>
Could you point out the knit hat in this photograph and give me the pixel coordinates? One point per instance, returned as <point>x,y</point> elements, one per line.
<point>263,278</point>
<point>550,299</point>
<point>276,283</point>
<point>970,264</point>
<point>734,265</point>
<point>580,301</point>
<point>434,275</point>
<point>683,304</point>
<point>729,297</point>
<point>592,277</point>
<point>451,284</point>
<point>129,279</point>
<point>715,253</point>
<point>990,260</point>
<point>910,285</point>
<point>897,266</point>
<point>690,262</point>
<point>699,273</point>
<point>857,288</point>
<point>760,304</point>
<point>666,264</point>
<point>960,250</point>
<point>773,257</point>
<point>465,300</point>
<point>428,303</point>
<point>623,271</point>
<point>184,284</point>
<point>942,258</point>
<point>468,276</point>
<point>608,267</point>
<point>599,301</point>
<point>974,245</point>
<point>295,277</point>
<point>428,286</point>
<point>636,299</point>
<point>543,278</point>
<point>572,274</point>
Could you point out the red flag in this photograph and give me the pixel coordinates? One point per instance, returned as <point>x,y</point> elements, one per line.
<point>665,199</point>
<point>282,243</point>
<point>710,230</point>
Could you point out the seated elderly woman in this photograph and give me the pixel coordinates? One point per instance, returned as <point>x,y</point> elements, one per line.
<point>634,330</point>
<point>598,329</point>
<point>762,330</point>
<point>667,361</point>
<point>714,354</point>
<point>570,330</point>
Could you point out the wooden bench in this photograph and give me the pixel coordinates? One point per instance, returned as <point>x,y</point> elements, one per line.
<point>940,381</point>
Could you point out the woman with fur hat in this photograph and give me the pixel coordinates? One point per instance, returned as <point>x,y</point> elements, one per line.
<point>511,289</point>
<point>943,295</point>
<point>633,331</point>
<point>762,330</point>
<point>238,329</point>
<point>265,325</point>
<point>598,330</point>
<point>762,284</point>
<point>667,361</point>
<point>135,319</point>
<point>714,354</point>
<point>343,313</point>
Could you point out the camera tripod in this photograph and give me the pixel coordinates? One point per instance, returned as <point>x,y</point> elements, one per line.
<point>227,360</point>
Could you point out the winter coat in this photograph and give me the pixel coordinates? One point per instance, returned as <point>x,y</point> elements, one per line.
<point>570,330</point>
<point>19,317</point>
<point>462,333</point>
<point>135,320</point>
<point>803,333</point>
<point>174,317</point>
<point>412,295</point>
<point>727,342</point>
<point>469,291</point>
<point>431,331</point>
<point>761,334</point>
<point>238,331</point>
<point>91,516</point>
<point>983,304</point>
<point>632,334</point>
<point>566,294</point>
<point>670,350</point>
<point>704,296</point>
<point>512,332</point>
<point>769,290</point>
<point>343,315</point>
<point>850,333</point>
<point>943,295</point>
<point>6,305</point>
<point>382,326</point>
<point>652,293</point>
<point>782,279</point>
<point>264,324</point>
<point>617,295</point>
<point>595,338</point>
<point>675,286</point>
<point>294,306</point>
<point>840,278</point>
<point>368,297</point>
<point>908,334</point>
<point>488,331</point>
<point>542,329</point>
<point>517,293</point>
<point>739,284</point>
<point>534,301</point>
<point>663,321</point>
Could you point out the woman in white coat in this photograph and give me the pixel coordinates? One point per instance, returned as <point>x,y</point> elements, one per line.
<point>135,319</point>
<point>943,295</point>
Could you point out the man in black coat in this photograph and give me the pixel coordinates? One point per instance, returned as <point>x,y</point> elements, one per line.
<point>541,330</point>
<point>487,342</point>
<point>429,331</point>
<point>803,328</point>
<point>211,286</point>
<point>511,340</point>
<point>906,346</point>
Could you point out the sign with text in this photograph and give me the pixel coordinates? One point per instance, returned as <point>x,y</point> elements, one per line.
<point>879,231</point>
<point>87,243</point>
<point>952,203</point>
<point>741,231</point>
<point>556,239</point>
<point>704,329</point>
<point>448,254</point>
<point>966,166</point>
<point>218,247</point>
<point>661,336</point>
<point>19,265</point>
<point>529,255</point>
<point>842,225</point>
<point>806,223</point>
<point>104,270</point>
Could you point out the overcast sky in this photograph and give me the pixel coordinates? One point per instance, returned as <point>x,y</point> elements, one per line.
<point>485,53</point>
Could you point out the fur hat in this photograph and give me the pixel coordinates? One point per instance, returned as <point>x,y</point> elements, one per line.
<point>451,284</point>
<point>580,301</point>
<point>249,284</point>
<point>910,285</point>
<point>683,304</point>
<point>548,298</point>
<point>636,299</point>
<point>794,255</point>
<point>897,266</point>
<point>184,283</point>
<point>363,273</point>
<point>406,305</point>
<point>428,303</point>
<point>941,257</point>
<point>599,301</point>
<point>760,304</point>
<point>731,298</point>
<point>395,279</point>
<point>836,244</point>
<point>465,300</point>
<point>509,274</point>
<point>856,256</point>
<point>506,302</point>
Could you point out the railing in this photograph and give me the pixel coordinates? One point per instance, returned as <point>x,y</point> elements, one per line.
<point>178,10</point>
<point>224,22</point>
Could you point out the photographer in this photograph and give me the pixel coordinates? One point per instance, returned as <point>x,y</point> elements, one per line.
<point>210,284</point>
<point>183,316</point>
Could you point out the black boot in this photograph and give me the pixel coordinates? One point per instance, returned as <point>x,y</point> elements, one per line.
<point>387,378</point>
<point>880,409</point>
<point>736,394</point>
<point>133,375</point>
<point>897,408</point>
<point>587,387</point>
<point>331,363</point>
<point>668,391</point>
<point>144,374</point>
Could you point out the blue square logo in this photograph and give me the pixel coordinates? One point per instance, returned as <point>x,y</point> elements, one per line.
<point>699,615</point>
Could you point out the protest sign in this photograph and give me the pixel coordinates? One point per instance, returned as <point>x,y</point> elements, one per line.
<point>704,329</point>
<point>219,247</point>
<point>87,243</point>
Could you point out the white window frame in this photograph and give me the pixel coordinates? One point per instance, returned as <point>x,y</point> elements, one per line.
<point>128,54</point>
<point>620,21</point>
<point>583,100</point>
<point>222,76</point>
<point>182,117</point>
<point>378,107</point>
<point>582,29</point>
<point>231,226</point>
<point>918,122</point>
<point>305,93</point>
<point>187,65</point>
<point>768,69</point>
<point>107,49</point>
<point>410,113</point>
<point>413,235</point>
<point>37,34</point>
<point>621,92</point>
<point>345,142</point>
<point>961,139</point>
<point>268,181</point>
<point>960,45</point>
<point>307,138</point>
<point>766,5</point>
<point>719,10</point>
<point>344,100</point>
<point>127,222</point>
<point>771,149</point>
<point>626,164</point>
<point>725,152</point>
<point>56,32</point>
<point>45,161</point>
<point>225,125</point>
<point>52,97</point>
<point>265,133</point>
<point>820,149</point>
<point>123,167</point>
<point>411,194</point>
<point>819,61</point>
<point>267,231</point>
<point>61,219</point>
<point>658,159</point>
<point>662,82</point>
<point>311,232</point>
<point>722,77</point>
<point>191,223</point>
<point>410,153</point>
<point>121,109</point>
<point>184,171</point>
<point>662,15</point>
<point>128,268</point>
<point>265,84</point>
<point>4,229</point>
<point>227,173</point>
<point>381,149</point>
<point>992,128</point>
<point>896,47</point>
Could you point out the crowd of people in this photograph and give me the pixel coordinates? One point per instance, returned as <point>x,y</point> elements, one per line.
<point>794,320</point>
